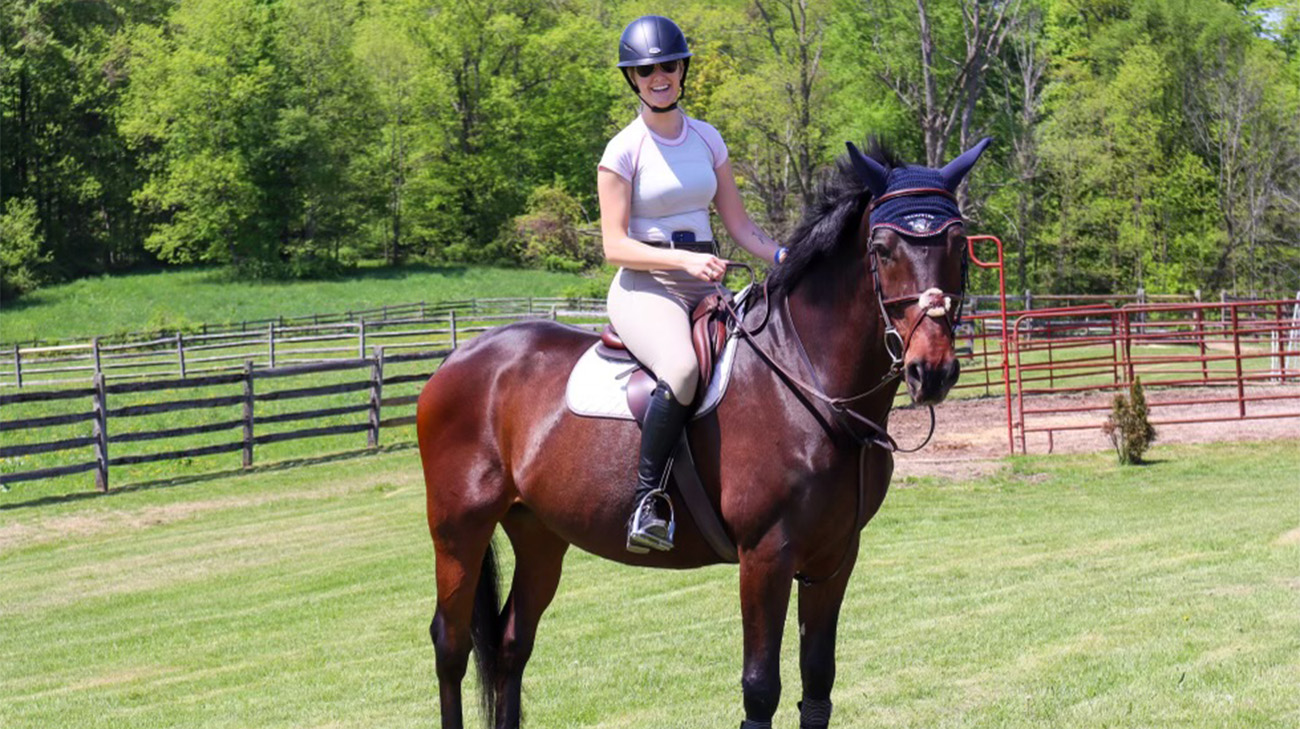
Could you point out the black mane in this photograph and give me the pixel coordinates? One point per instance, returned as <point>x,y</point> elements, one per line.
<point>839,202</point>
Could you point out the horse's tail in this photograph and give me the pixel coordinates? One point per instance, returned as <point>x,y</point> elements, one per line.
<point>485,630</point>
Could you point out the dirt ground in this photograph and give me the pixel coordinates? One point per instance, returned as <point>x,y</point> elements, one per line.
<point>971,435</point>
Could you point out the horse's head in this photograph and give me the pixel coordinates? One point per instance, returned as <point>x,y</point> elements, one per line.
<point>918,261</point>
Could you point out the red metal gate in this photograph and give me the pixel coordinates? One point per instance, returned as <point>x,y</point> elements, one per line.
<point>1198,363</point>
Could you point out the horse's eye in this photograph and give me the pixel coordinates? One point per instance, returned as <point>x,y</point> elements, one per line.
<point>880,249</point>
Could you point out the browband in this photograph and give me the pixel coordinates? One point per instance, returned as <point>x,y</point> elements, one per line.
<point>914,191</point>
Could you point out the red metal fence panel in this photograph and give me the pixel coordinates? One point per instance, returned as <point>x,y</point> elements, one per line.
<point>1198,363</point>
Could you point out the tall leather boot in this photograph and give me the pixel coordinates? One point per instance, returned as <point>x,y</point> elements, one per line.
<point>664,420</point>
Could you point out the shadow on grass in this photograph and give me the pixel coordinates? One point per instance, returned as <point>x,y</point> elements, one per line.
<point>163,483</point>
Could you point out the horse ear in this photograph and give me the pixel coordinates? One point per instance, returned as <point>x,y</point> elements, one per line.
<point>955,171</point>
<point>869,171</point>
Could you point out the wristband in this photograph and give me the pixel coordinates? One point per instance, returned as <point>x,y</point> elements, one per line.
<point>781,253</point>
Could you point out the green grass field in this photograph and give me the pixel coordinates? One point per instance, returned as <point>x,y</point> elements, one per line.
<point>182,298</point>
<point>1058,592</point>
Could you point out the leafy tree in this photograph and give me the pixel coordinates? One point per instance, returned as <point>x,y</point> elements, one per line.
<point>200,107</point>
<point>60,83</point>
<point>20,248</point>
<point>247,114</point>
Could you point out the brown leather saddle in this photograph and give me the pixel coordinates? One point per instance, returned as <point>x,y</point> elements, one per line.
<point>708,336</point>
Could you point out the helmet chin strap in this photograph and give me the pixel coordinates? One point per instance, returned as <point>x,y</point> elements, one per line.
<point>658,109</point>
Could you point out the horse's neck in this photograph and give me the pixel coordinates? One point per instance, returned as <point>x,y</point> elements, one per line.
<point>834,312</point>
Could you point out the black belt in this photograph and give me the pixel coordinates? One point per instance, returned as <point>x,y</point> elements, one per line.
<point>701,246</point>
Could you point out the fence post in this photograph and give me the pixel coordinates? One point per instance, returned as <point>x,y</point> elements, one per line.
<point>1236,355</point>
<point>270,343</point>
<point>101,433</point>
<point>361,339</point>
<point>1293,335</point>
<point>248,413</point>
<point>1199,318</point>
<point>180,352</point>
<point>376,396</point>
<point>1029,300</point>
<point>453,328</point>
<point>94,350</point>
<point>1128,347</point>
<point>18,366</point>
<point>1276,348</point>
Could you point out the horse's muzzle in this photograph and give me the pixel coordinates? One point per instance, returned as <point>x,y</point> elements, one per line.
<point>928,383</point>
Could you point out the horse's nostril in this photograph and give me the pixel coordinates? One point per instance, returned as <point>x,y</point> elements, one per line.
<point>913,372</point>
<point>952,373</point>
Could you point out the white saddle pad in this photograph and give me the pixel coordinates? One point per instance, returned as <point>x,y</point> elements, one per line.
<point>598,387</point>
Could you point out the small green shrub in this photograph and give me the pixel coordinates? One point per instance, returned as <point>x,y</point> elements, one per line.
<point>547,235</point>
<point>1128,426</point>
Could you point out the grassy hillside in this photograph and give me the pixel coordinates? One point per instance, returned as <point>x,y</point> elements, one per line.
<point>1059,592</point>
<point>164,300</point>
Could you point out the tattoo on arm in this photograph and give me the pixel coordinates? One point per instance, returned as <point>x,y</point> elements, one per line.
<point>762,238</point>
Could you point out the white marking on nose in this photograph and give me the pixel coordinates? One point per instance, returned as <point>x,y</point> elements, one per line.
<point>934,302</point>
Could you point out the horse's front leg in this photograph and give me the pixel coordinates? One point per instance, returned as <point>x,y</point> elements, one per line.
<point>819,614</point>
<point>765,576</point>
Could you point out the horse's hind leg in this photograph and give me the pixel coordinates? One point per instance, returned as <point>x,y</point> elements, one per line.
<point>539,557</point>
<point>459,567</point>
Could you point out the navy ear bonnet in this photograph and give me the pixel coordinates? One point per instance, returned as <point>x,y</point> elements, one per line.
<point>921,215</point>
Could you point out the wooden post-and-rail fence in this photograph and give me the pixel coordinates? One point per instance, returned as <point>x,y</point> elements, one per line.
<point>186,355</point>
<point>106,443</point>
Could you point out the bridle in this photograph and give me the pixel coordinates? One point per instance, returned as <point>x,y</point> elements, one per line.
<point>934,303</point>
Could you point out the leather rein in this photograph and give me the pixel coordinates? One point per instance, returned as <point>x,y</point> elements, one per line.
<point>895,346</point>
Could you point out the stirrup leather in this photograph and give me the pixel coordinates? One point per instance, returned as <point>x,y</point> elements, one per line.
<point>642,536</point>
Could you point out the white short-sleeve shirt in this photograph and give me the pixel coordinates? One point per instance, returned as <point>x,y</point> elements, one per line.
<point>673,180</point>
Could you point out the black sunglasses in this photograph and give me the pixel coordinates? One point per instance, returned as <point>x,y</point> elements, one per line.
<point>667,66</point>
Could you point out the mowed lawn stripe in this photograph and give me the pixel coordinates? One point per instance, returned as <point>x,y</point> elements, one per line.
<point>1060,591</point>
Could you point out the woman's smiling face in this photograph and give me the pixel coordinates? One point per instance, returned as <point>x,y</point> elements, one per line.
<point>660,88</point>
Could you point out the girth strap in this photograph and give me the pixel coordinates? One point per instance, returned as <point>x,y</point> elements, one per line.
<point>697,502</point>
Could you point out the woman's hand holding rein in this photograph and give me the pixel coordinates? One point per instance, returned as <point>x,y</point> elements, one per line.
<point>704,266</point>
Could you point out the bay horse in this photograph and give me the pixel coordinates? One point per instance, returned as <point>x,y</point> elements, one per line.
<point>794,472</point>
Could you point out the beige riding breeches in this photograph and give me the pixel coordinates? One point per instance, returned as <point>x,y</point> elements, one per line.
<point>651,310</point>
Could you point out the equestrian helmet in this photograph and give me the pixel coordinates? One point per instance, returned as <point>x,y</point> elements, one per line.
<point>651,39</point>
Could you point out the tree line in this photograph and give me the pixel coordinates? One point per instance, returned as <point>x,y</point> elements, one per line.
<point>1153,143</point>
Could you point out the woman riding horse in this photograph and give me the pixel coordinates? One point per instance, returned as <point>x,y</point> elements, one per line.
<point>656,180</point>
<point>795,459</point>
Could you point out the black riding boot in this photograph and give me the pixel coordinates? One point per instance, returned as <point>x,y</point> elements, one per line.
<point>664,420</point>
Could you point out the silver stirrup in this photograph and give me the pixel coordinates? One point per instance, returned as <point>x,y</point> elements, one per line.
<point>640,541</point>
